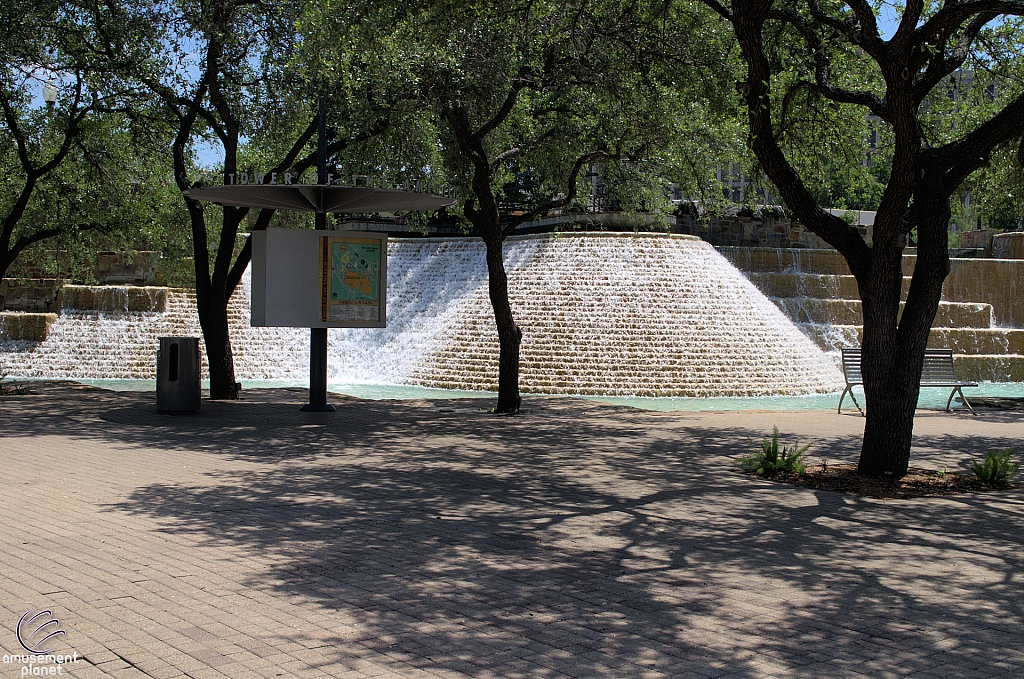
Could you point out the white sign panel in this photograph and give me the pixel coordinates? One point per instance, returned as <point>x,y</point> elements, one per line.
<point>319,279</point>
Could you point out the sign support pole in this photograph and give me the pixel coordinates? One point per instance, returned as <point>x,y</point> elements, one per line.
<point>318,336</point>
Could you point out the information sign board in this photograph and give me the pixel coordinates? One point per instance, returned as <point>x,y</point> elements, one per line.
<point>350,279</point>
<point>319,279</point>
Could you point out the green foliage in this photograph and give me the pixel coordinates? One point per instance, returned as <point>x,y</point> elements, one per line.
<point>126,204</point>
<point>73,168</point>
<point>997,469</point>
<point>992,197</point>
<point>769,460</point>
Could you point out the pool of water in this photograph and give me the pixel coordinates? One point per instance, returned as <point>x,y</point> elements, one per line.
<point>375,392</point>
<point>930,398</point>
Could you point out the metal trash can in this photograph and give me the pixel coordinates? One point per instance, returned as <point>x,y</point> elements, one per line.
<point>178,373</point>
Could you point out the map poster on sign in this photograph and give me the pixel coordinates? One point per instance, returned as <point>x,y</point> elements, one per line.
<point>351,280</point>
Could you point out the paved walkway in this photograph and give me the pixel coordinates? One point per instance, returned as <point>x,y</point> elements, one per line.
<point>430,539</point>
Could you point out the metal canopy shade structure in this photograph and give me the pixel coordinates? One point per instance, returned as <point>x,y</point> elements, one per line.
<point>319,198</point>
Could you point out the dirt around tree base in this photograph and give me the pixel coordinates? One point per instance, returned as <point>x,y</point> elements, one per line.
<point>917,483</point>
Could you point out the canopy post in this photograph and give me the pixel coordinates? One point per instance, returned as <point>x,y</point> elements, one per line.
<point>318,336</point>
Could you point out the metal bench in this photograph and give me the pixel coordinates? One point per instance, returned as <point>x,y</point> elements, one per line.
<point>937,372</point>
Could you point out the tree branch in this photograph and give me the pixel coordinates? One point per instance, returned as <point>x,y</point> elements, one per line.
<point>214,124</point>
<point>33,173</point>
<point>518,85</point>
<point>502,157</point>
<point>908,22</point>
<point>570,195</point>
<point>868,37</point>
<point>234,276</point>
<point>748,23</point>
<point>952,15</point>
<point>719,9</point>
<point>44,234</point>
<point>846,27</point>
<point>458,118</point>
<point>939,66</point>
<point>822,73</point>
<point>380,127</point>
<point>956,160</point>
<point>11,118</point>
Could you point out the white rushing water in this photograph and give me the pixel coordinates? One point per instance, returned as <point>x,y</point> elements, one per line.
<point>621,315</point>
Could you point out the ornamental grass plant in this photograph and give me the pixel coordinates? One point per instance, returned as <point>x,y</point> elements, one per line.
<point>997,469</point>
<point>770,460</point>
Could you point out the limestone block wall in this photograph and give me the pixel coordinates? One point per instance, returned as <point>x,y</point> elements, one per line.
<point>980,317</point>
<point>33,294</point>
<point>980,239</point>
<point>999,282</point>
<point>122,268</point>
<point>1008,246</point>
<point>114,299</point>
<point>27,327</point>
<point>755,232</point>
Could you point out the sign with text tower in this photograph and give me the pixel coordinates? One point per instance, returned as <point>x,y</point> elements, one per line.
<point>319,279</point>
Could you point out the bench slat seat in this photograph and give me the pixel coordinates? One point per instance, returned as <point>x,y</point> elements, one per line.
<point>937,371</point>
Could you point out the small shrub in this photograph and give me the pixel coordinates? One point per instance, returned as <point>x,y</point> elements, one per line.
<point>997,469</point>
<point>770,460</point>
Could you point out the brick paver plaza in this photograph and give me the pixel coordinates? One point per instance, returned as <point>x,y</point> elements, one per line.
<point>431,539</point>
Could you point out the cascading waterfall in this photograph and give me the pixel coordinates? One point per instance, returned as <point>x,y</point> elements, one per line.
<point>979,317</point>
<point>647,315</point>
<point>630,315</point>
<point>430,282</point>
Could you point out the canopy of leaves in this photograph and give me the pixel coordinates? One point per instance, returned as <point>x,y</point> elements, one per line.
<point>78,166</point>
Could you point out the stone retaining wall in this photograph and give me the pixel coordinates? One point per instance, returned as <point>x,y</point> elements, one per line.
<point>1008,246</point>
<point>770,232</point>
<point>15,325</point>
<point>121,268</point>
<point>114,300</point>
<point>36,295</point>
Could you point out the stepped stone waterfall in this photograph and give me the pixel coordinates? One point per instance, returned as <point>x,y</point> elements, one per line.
<point>627,315</point>
<point>609,314</point>
<point>980,317</point>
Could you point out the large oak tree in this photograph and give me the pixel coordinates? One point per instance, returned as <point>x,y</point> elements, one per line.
<point>548,91</point>
<point>229,79</point>
<point>833,54</point>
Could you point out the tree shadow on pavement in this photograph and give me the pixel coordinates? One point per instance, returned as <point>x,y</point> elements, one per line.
<point>596,541</point>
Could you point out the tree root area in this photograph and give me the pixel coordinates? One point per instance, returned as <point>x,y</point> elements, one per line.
<point>918,482</point>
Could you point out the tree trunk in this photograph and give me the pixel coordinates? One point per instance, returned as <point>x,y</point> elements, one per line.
<point>214,320</point>
<point>5,262</point>
<point>893,357</point>
<point>509,334</point>
<point>487,220</point>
